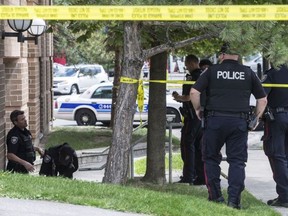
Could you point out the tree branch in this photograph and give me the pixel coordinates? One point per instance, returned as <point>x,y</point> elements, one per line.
<point>170,45</point>
<point>165,24</point>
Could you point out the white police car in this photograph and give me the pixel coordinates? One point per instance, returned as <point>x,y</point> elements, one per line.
<point>95,105</point>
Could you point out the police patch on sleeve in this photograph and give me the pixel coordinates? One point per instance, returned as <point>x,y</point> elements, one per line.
<point>14,139</point>
<point>47,158</point>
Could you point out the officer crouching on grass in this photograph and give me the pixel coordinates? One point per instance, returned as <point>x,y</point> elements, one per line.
<point>59,160</point>
<point>228,88</point>
<point>275,139</point>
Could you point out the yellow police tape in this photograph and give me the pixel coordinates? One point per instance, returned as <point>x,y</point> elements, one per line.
<point>140,95</point>
<point>132,80</point>
<point>275,85</point>
<point>140,98</point>
<point>148,12</point>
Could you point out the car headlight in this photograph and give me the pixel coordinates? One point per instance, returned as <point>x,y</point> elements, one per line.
<point>64,83</point>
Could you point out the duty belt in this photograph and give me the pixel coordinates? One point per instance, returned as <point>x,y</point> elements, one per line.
<point>227,114</point>
<point>279,109</point>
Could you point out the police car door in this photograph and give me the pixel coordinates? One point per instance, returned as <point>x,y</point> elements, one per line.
<point>101,100</point>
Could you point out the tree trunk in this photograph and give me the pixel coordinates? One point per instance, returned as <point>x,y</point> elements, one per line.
<point>265,64</point>
<point>118,157</point>
<point>116,83</point>
<point>155,171</point>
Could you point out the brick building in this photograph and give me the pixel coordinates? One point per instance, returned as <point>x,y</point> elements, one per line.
<point>25,80</point>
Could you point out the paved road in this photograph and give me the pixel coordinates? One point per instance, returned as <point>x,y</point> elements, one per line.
<point>20,207</point>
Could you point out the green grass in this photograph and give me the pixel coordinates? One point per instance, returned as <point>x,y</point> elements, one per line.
<point>79,137</point>
<point>136,196</point>
<point>167,200</point>
<point>177,163</point>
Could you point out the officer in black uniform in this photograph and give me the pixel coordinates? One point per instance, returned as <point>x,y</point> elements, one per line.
<point>275,140</point>
<point>59,160</point>
<point>191,133</point>
<point>228,87</point>
<point>20,150</point>
<point>204,64</point>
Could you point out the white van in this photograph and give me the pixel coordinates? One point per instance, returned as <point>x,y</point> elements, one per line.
<point>78,78</point>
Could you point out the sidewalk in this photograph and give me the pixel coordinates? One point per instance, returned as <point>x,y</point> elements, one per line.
<point>15,207</point>
<point>259,178</point>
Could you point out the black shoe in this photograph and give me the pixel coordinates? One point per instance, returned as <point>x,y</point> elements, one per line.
<point>234,205</point>
<point>277,202</point>
<point>198,182</point>
<point>182,180</point>
<point>218,200</point>
<point>269,202</point>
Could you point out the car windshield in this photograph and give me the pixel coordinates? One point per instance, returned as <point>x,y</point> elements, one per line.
<point>68,72</point>
<point>58,68</point>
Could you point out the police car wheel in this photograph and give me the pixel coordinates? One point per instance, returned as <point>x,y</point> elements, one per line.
<point>173,111</point>
<point>85,117</point>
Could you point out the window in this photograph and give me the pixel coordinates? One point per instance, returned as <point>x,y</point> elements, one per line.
<point>93,71</point>
<point>85,71</point>
<point>103,92</point>
<point>97,70</point>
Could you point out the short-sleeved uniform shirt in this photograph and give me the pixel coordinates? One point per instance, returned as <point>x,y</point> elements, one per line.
<point>193,76</point>
<point>19,142</point>
<point>277,97</point>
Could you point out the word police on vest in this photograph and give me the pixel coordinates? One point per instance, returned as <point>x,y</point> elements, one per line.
<point>234,75</point>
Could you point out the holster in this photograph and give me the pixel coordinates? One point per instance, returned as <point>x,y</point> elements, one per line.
<point>186,111</point>
<point>183,112</point>
<point>268,115</point>
<point>252,122</point>
<point>203,118</point>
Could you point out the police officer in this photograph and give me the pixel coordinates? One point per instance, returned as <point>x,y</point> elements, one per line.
<point>59,160</point>
<point>204,64</point>
<point>191,133</point>
<point>275,140</point>
<point>20,150</point>
<point>228,87</point>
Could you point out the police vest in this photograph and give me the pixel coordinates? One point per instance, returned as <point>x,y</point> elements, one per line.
<point>229,87</point>
<point>27,152</point>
